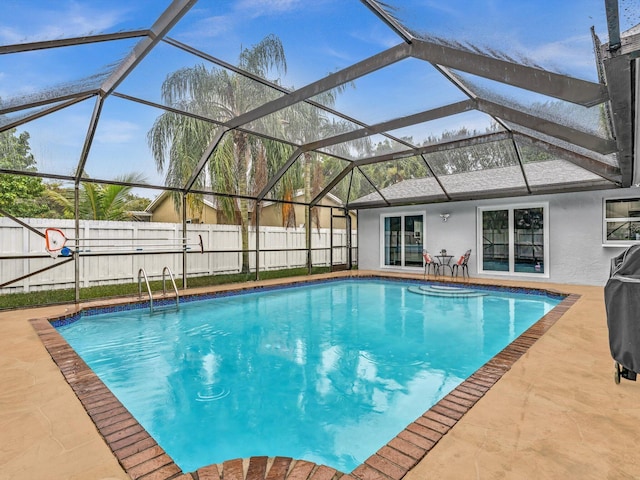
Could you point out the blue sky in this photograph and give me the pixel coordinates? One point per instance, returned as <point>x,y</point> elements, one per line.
<point>319,37</point>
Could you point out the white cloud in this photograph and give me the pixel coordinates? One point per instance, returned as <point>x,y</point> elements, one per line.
<point>116,131</point>
<point>210,27</point>
<point>258,8</point>
<point>339,54</point>
<point>214,26</point>
<point>66,20</point>
<point>9,35</point>
<point>445,8</point>
<point>382,37</point>
<point>569,54</point>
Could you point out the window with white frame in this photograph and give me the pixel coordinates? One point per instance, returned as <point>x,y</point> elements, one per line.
<point>514,239</point>
<point>621,220</point>
<point>402,240</point>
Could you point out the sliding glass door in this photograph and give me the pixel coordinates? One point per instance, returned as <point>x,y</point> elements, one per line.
<point>514,239</point>
<point>393,241</point>
<point>528,231</point>
<point>403,237</point>
<point>495,240</point>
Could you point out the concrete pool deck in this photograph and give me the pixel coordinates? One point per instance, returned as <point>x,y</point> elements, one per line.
<point>557,412</point>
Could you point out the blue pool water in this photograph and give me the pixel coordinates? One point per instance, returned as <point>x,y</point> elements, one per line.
<point>328,372</point>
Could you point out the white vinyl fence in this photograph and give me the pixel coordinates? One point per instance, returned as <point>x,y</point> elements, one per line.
<point>144,237</point>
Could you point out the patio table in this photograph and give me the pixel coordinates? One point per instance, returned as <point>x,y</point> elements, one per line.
<point>445,261</point>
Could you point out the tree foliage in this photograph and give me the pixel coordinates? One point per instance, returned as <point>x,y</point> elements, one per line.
<point>242,164</point>
<point>237,166</point>
<point>99,201</point>
<point>19,194</point>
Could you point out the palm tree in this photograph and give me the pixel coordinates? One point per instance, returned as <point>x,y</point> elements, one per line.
<point>238,165</point>
<point>306,123</point>
<point>290,182</point>
<point>98,201</point>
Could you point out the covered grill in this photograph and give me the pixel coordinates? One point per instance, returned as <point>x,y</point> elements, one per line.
<point>622,301</point>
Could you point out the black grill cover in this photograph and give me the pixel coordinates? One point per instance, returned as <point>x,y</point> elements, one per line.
<point>622,302</point>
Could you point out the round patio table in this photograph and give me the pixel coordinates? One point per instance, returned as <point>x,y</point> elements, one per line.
<point>445,261</point>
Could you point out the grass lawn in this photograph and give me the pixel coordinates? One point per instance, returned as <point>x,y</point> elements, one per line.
<point>52,297</point>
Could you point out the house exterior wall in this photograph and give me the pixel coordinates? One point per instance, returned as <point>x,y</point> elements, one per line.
<point>271,215</point>
<point>209,216</point>
<point>577,254</point>
<point>165,212</point>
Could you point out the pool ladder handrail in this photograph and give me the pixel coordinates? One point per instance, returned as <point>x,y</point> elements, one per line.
<point>143,274</point>
<point>173,282</point>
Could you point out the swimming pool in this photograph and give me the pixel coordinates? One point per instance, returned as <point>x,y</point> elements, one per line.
<point>326,372</point>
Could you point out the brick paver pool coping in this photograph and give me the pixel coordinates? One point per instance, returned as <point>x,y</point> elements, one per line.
<point>142,458</point>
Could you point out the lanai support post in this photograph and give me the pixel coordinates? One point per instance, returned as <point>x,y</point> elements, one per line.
<point>184,239</point>
<point>348,227</point>
<point>308,234</point>
<point>331,239</point>
<point>257,210</point>
<point>76,251</point>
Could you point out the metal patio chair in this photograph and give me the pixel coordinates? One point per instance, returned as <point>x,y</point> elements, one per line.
<point>461,264</point>
<point>429,263</point>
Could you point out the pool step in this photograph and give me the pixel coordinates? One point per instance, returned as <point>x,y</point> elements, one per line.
<point>445,291</point>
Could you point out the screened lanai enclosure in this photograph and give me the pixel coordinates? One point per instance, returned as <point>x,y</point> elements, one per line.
<point>242,137</point>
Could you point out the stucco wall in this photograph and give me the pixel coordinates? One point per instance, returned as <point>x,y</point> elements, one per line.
<point>576,253</point>
<point>271,215</point>
<point>165,212</point>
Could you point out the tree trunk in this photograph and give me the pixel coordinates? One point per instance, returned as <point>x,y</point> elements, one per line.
<point>244,155</point>
<point>307,186</point>
<point>307,210</point>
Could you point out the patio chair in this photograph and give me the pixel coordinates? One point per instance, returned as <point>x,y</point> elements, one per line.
<point>429,262</point>
<point>461,264</point>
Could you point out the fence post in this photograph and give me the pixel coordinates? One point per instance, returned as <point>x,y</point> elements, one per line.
<point>86,280</point>
<point>25,263</point>
<point>135,234</point>
<point>331,240</point>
